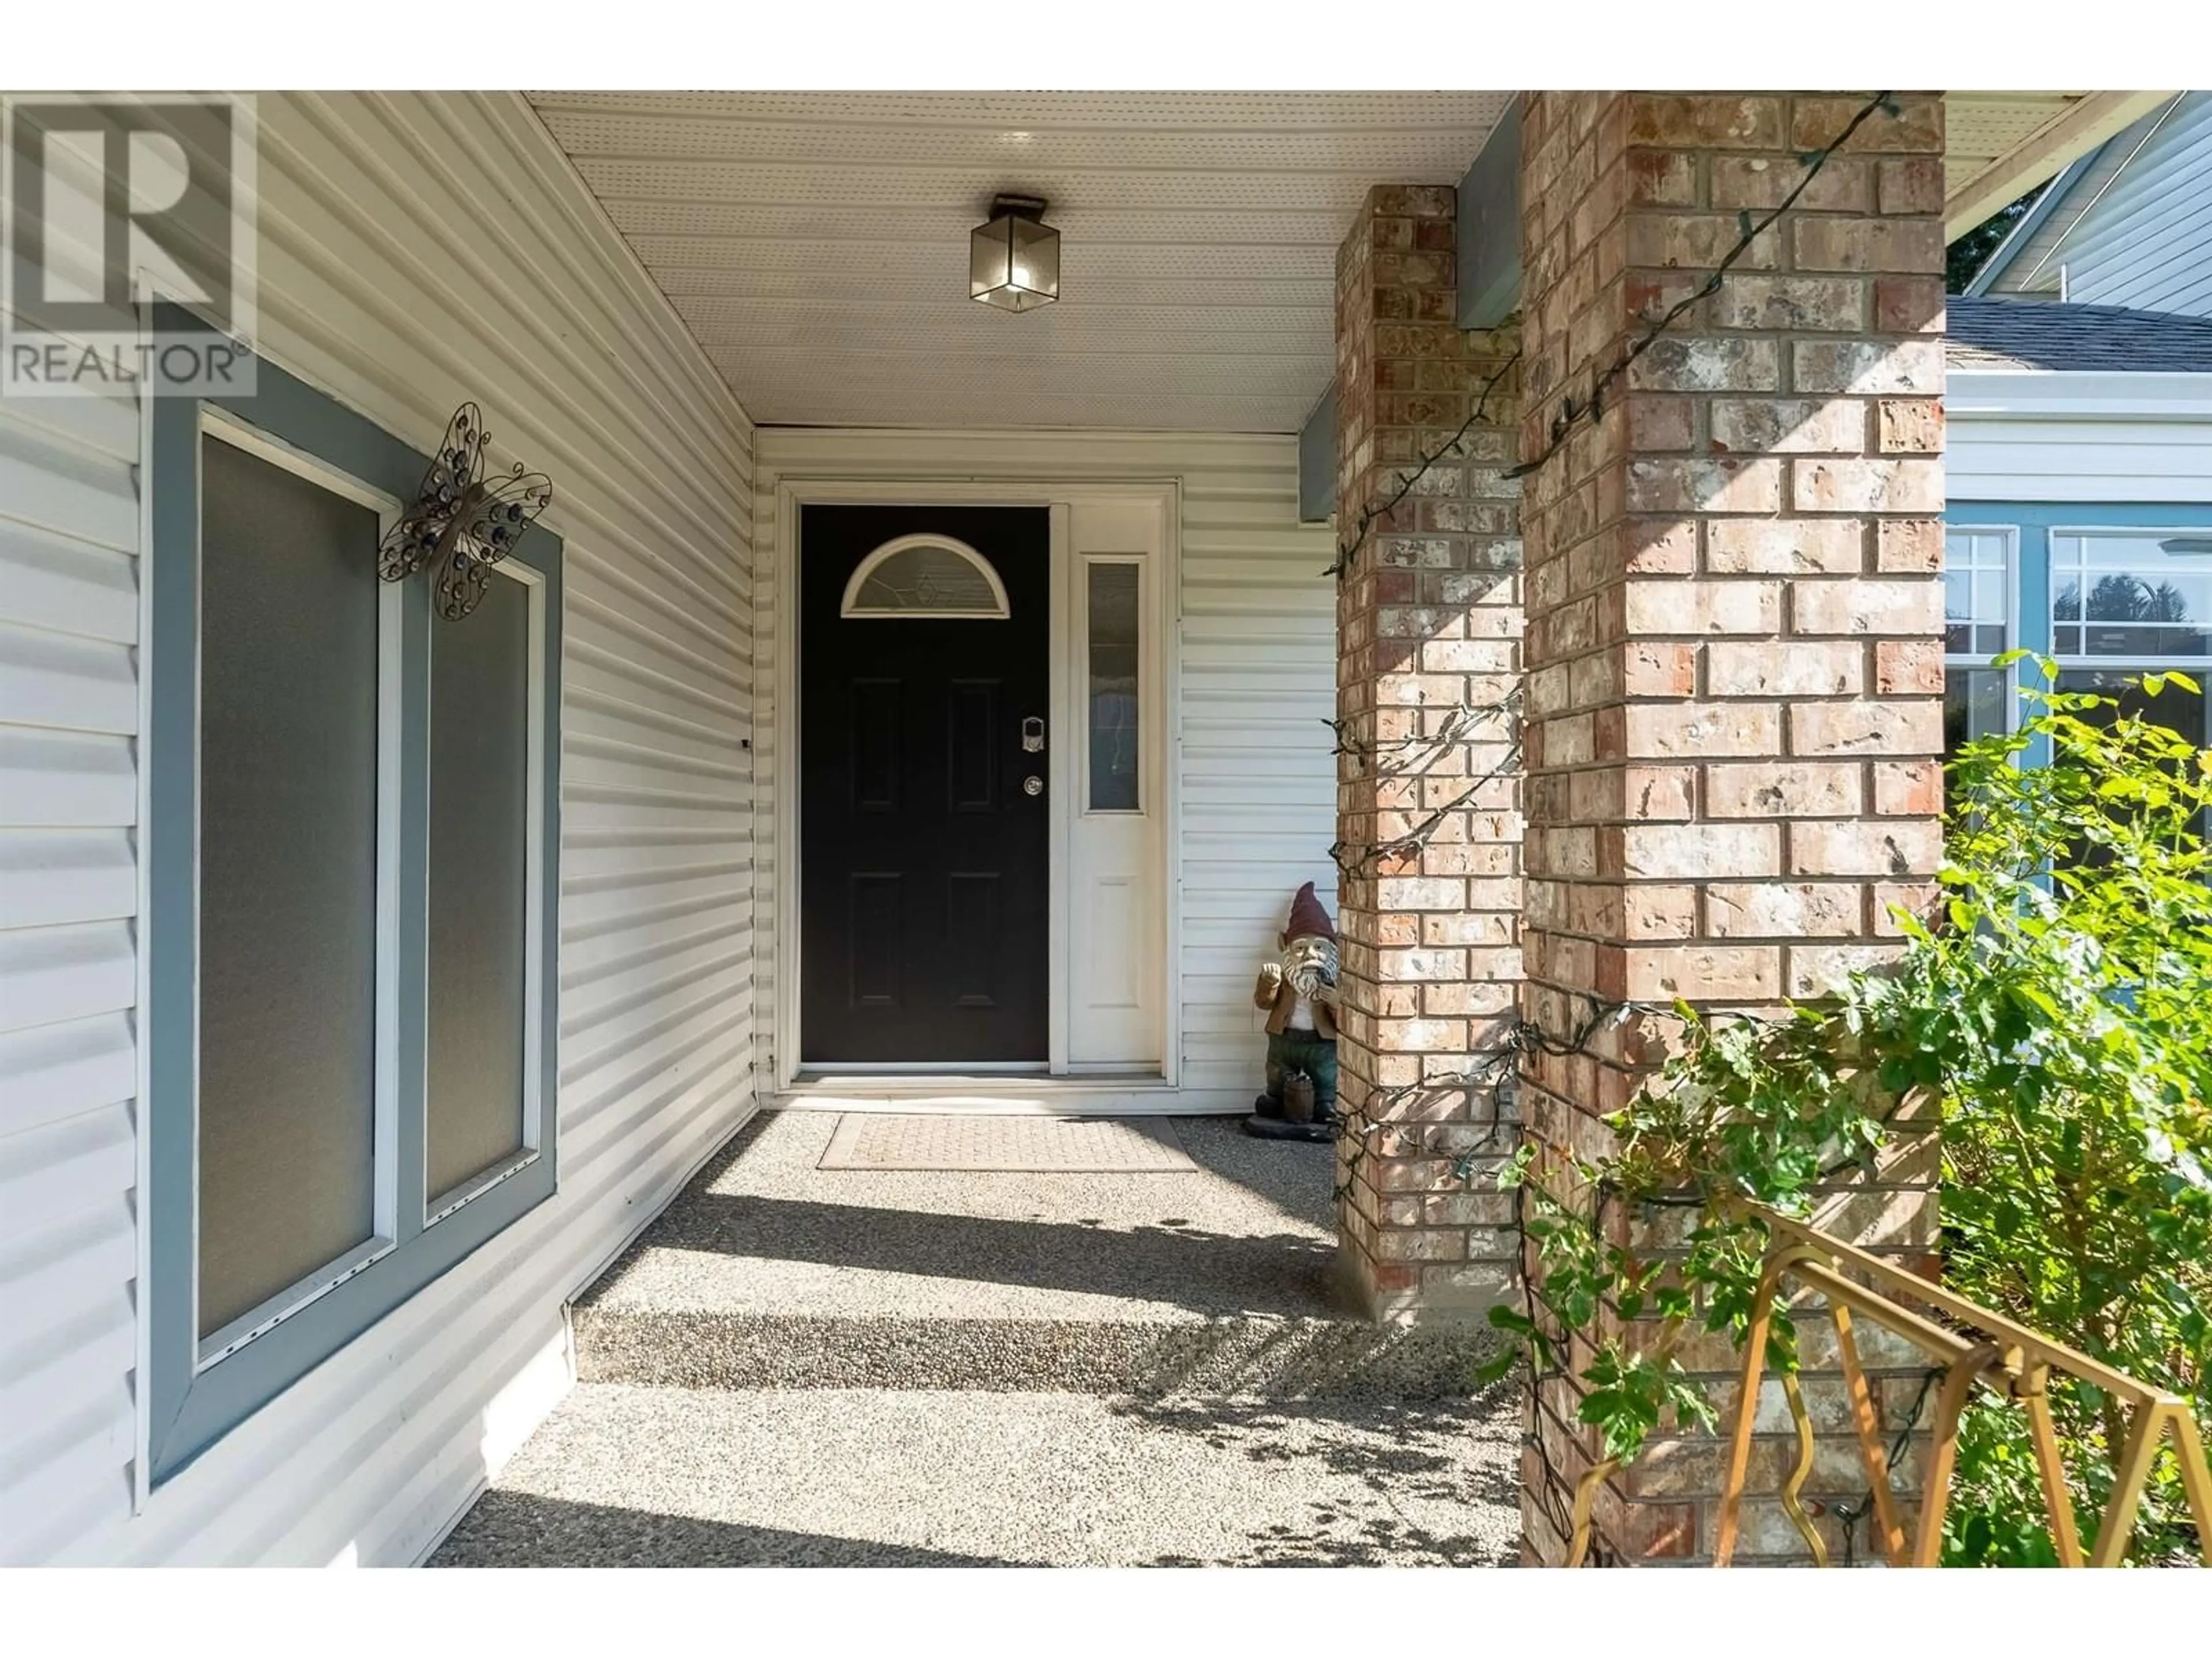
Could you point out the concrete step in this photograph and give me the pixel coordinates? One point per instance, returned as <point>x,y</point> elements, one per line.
<point>1265,1356</point>
<point>771,1273</point>
<point>839,1477</point>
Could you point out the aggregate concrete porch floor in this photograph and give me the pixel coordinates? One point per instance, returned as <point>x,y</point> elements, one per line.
<point>627,1476</point>
<point>769,1272</point>
<point>805,1366</point>
<point>763,1231</point>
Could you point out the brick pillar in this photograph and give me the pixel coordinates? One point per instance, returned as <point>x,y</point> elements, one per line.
<point>1428,630</point>
<point>1734,648</point>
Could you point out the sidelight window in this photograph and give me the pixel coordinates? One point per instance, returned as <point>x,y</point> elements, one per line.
<point>1111,684</point>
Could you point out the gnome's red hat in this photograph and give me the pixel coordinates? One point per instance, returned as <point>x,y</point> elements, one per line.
<point>1308,917</point>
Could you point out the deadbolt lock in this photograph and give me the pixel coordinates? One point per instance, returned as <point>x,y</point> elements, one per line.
<point>1033,737</point>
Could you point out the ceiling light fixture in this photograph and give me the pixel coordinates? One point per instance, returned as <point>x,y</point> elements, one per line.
<point>1013,259</point>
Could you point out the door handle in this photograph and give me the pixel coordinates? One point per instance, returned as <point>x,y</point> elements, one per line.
<point>1033,735</point>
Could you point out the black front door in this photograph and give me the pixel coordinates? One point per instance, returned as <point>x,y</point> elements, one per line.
<point>922,813</point>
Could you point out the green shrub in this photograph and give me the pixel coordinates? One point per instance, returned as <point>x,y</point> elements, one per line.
<point>2056,1009</point>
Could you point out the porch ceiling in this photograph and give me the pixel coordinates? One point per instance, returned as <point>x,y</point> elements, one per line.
<point>815,242</point>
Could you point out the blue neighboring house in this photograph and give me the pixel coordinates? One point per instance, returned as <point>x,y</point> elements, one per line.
<point>2128,224</point>
<point>2080,524</point>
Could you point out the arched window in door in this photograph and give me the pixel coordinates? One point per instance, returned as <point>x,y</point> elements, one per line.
<point>925,576</point>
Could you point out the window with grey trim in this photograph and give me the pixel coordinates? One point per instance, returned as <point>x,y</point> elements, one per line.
<point>352,815</point>
<point>480,676</point>
<point>289,685</point>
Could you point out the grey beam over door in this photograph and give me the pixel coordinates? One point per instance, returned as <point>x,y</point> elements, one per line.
<point>1317,461</point>
<point>1490,227</point>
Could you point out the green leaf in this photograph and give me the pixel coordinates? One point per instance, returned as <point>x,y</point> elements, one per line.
<point>1494,1368</point>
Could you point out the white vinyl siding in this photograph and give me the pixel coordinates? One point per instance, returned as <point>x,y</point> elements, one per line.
<point>2029,437</point>
<point>416,251</point>
<point>1257,646</point>
<point>2135,229</point>
<point>68,891</point>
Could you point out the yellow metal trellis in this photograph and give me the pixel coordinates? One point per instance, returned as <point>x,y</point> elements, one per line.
<point>1974,1347</point>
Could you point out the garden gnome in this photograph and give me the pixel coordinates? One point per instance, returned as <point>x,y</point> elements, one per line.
<point>1298,991</point>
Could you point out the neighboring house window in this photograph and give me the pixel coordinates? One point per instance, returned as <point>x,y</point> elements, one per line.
<point>2127,603</point>
<point>1978,624</point>
<point>351,823</point>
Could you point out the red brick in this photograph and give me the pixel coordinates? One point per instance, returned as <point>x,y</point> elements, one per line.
<point>1783,789</point>
<point>1907,788</point>
<point>1782,909</point>
<point>1655,659</point>
<point>1819,304</point>
<point>1662,179</point>
<point>1867,486</point>
<point>1785,547</point>
<point>1699,730</point>
<point>1907,608</point>
<point>1725,972</point>
<point>1868,366</point>
<point>1910,425</point>
<point>1911,184</point>
<point>1895,850</point>
<point>1908,667</point>
<point>1835,426</point>
<point>1806,668</point>
<point>1888,725</point>
<point>1702,851</point>
<point>1665,120</point>
<point>1676,607</point>
<point>1844,184</point>
<point>1705,486</point>
<point>1819,120</point>
<point>1909,305</point>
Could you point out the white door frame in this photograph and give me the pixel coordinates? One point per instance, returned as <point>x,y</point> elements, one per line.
<point>1162,729</point>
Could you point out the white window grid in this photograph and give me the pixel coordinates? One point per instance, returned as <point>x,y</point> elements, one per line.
<point>2070,556</point>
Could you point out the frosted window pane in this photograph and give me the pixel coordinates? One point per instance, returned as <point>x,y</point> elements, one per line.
<point>926,579</point>
<point>288,879</point>
<point>479,798</point>
<point>1113,687</point>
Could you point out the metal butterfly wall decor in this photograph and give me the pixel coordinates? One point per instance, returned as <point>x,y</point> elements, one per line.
<point>461,520</point>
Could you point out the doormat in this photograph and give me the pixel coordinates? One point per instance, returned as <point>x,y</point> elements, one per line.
<point>1042,1145</point>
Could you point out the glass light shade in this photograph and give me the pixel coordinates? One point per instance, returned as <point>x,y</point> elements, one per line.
<point>1014,262</point>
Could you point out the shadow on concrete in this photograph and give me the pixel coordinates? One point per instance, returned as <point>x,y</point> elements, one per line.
<point>1210,1272</point>
<point>523,1529</point>
<point>1399,1452</point>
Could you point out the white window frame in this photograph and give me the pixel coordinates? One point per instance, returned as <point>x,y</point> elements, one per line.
<point>2143,663</point>
<point>1974,661</point>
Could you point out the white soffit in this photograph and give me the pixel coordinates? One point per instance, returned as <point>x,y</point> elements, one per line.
<point>1998,145</point>
<point>816,243</point>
